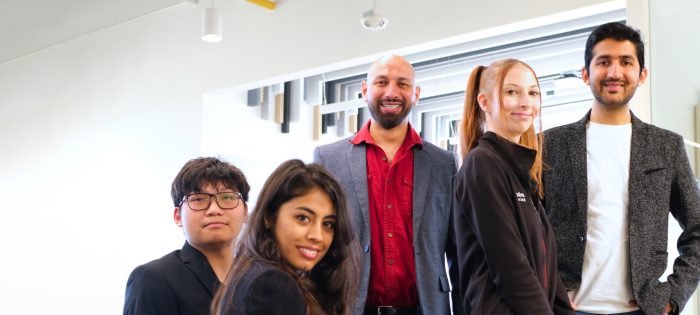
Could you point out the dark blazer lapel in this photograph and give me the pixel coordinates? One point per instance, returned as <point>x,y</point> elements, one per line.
<point>421,172</point>
<point>357,160</point>
<point>197,263</point>
<point>639,161</point>
<point>577,153</point>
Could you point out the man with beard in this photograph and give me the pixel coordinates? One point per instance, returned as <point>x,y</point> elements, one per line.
<point>610,181</point>
<point>399,191</point>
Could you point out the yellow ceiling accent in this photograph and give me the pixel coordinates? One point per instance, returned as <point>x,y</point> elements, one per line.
<point>268,4</point>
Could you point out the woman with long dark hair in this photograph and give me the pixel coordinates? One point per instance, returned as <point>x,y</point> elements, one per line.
<point>506,247</point>
<point>297,255</point>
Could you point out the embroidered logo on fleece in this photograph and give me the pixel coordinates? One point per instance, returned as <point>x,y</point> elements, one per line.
<point>520,196</point>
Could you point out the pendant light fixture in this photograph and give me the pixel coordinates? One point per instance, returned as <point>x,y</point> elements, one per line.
<point>212,24</point>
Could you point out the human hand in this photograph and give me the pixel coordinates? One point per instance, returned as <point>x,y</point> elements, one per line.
<point>668,309</point>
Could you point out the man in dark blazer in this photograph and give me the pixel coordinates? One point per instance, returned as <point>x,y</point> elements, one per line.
<point>210,198</point>
<point>399,190</point>
<point>610,183</point>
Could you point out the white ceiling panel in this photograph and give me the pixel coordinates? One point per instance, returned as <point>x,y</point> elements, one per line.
<point>27,26</point>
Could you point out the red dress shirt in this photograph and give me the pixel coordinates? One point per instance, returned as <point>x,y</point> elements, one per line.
<point>392,280</point>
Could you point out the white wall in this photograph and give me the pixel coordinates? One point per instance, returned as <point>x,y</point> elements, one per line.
<point>674,61</point>
<point>93,130</point>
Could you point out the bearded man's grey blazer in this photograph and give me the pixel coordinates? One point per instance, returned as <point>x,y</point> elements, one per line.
<point>433,173</point>
<point>660,182</point>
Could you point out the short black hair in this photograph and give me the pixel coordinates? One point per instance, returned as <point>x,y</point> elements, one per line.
<point>199,172</point>
<point>616,31</point>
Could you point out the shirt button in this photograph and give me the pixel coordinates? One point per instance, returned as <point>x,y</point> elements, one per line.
<point>366,248</point>
<point>390,235</point>
<point>388,206</point>
<point>383,158</point>
<point>391,261</point>
<point>582,238</point>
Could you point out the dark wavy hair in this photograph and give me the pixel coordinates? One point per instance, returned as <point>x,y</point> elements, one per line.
<point>331,285</point>
<point>618,32</point>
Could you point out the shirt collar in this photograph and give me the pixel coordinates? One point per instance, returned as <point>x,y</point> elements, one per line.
<point>363,135</point>
<point>519,157</point>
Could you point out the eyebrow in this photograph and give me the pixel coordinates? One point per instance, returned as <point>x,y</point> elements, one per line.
<point>516,85</point>
<point>202,191</point>
<point>303,208</point>
<point>384,77</point>
<point>306,209</point>
<point>611,57</point>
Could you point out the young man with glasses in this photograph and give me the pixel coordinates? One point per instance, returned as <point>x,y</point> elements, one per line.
<point>210,198</point>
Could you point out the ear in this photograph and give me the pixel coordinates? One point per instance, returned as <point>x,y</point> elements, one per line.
<point>584,76</point>
<point>417,95</point>
<point>177,216</point>
<point>483,102</point>
<point>245,213</point>
<point>364,89</point>
<point>266,221</point>
<point>642,76</point>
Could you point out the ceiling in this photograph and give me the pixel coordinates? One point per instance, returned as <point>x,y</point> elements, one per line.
<point>28,26</point>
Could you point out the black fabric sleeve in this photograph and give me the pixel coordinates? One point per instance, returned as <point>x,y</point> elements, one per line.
<point>451,254</point>
<point>274,293</point>
<point>562,304</point>
<point>458,307</point>
<point>147,293</point>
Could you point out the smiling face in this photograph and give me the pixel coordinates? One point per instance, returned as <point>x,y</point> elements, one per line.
<point>613,74</point>
<point>304,229</point>
<point>519,103</point>
<point>390,91</point>
<point>212,228</point>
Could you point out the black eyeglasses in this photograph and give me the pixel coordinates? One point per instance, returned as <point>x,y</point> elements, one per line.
<point>202,201</point>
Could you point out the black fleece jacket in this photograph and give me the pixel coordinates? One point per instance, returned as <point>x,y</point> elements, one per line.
<point>505,245</point>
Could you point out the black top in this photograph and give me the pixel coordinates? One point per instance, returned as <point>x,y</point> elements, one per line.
<point>181,282</point>
<point>506,247</point>
<point>266,290</point>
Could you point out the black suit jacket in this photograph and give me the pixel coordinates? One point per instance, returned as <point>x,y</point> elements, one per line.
<point>266,290</point>
<point>181,282</point>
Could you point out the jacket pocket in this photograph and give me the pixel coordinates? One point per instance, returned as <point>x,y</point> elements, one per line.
<point>653,170</point>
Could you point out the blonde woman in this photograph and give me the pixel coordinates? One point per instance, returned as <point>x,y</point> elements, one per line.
<point>506,247</point>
